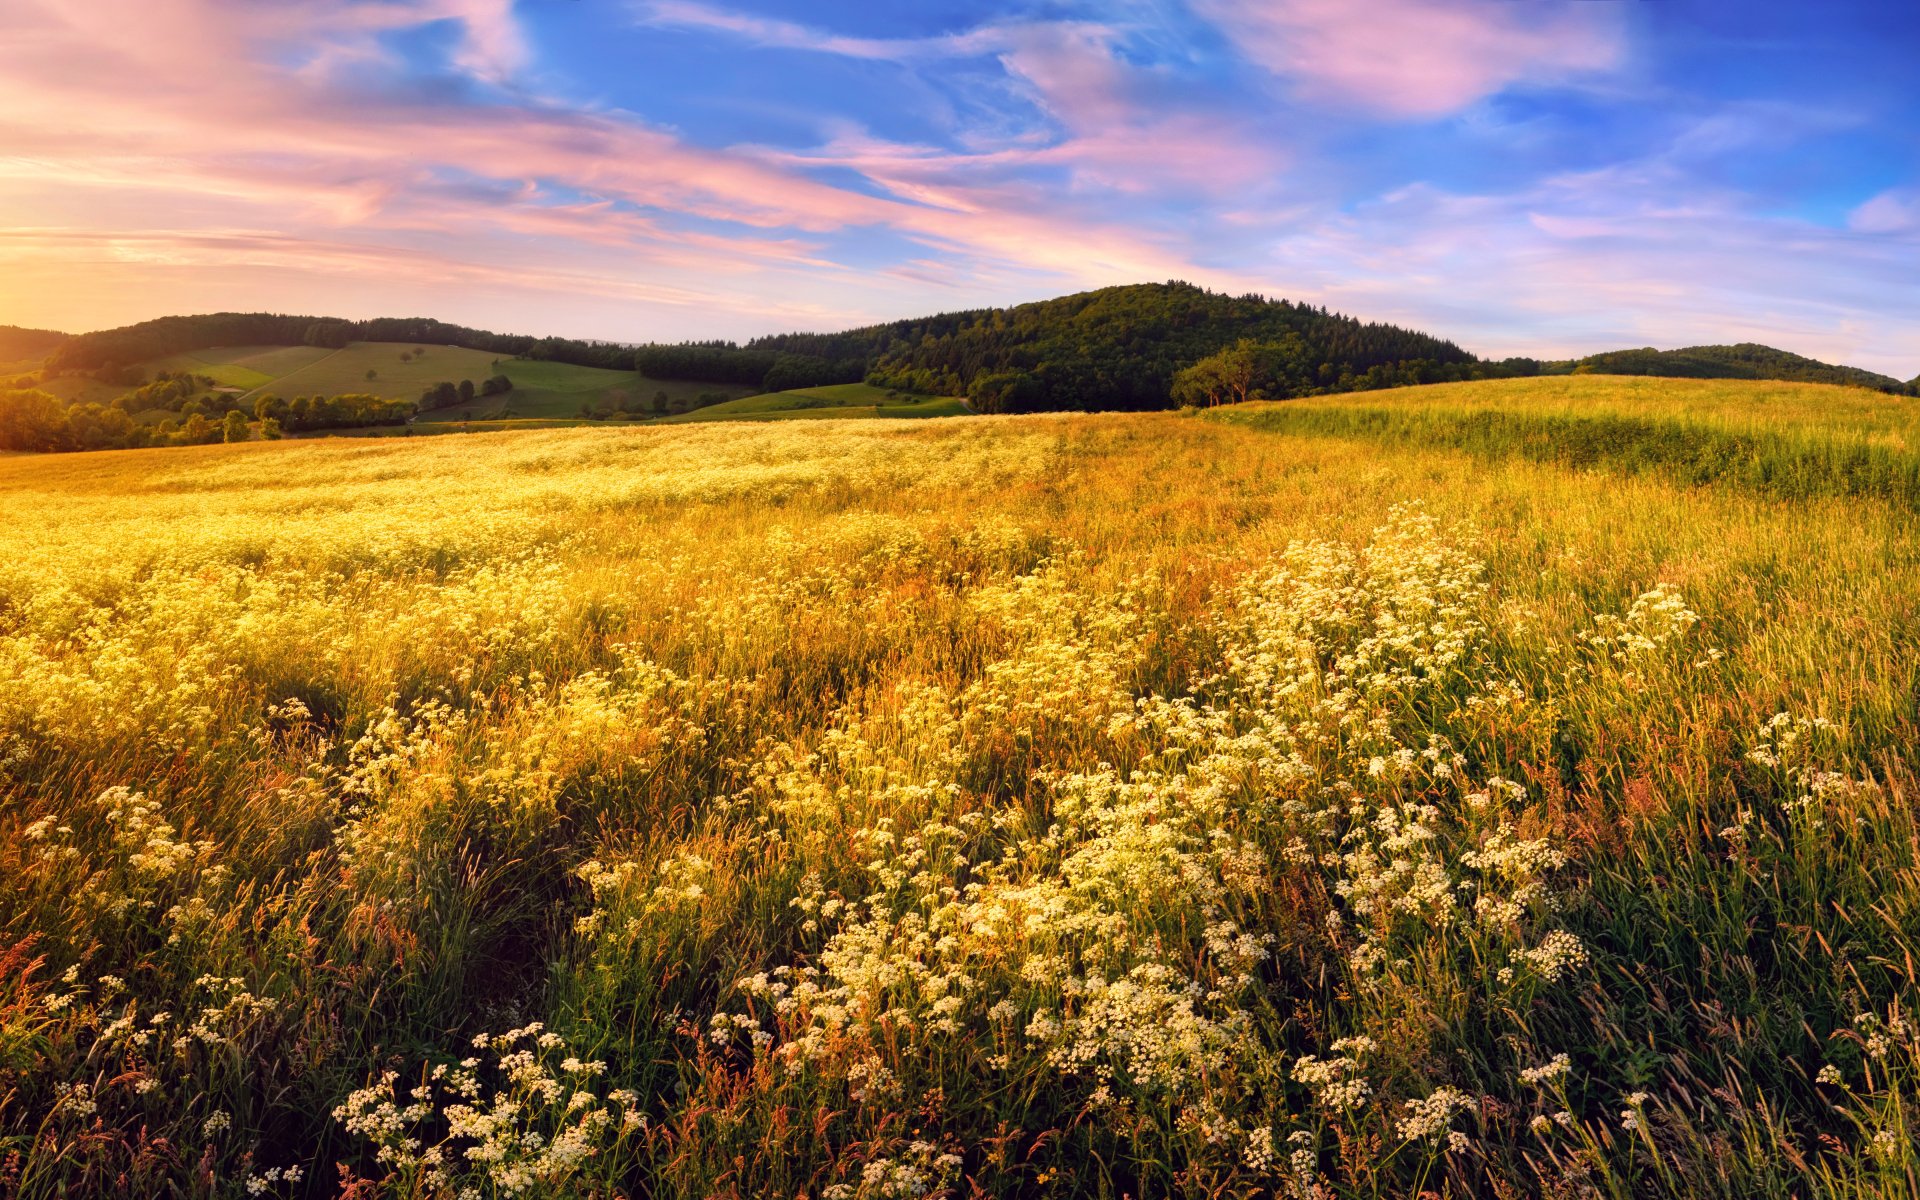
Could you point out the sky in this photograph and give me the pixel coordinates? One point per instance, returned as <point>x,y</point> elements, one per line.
<point>1540,177</point>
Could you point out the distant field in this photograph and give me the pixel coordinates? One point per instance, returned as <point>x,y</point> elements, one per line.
<point>547,390</point>
<point>836,400</point>
<point>79,389</point>
<point>557,390</point>
<point>339,372</point>
<point>241,366</point>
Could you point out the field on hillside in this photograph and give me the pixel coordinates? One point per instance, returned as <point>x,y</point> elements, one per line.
<point>557,390</point>
<point>337,372</point>
<point>247,367</point>
<point>547,390</point>
<point>1226,805</point>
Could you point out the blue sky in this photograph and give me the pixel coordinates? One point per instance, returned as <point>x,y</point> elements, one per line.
<point>1545,177</point>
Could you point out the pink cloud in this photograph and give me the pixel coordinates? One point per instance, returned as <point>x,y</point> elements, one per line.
<point>1895,211</point>
<point>1420,58</point>
<point>110,107</point>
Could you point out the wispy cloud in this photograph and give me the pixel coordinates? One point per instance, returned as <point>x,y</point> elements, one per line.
<point>1420,58</point>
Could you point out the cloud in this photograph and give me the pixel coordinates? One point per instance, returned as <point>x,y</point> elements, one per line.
<point>1419,58</point>
<point>791,35</point>
<point>1631,255</point>
<point>310,125</point>
<point>335,160</point>
<point>1893,211</point>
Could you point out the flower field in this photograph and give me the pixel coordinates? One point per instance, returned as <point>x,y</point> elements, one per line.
<point>1062,806</point>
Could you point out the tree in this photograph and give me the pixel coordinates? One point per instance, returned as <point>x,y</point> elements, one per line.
<point>1243,370</point>
<point>31,421</point>
<point>372,374</point>
<point>198,431</point>
<point>236,429</point>
<point>270,430</point>
<point>466,390</point>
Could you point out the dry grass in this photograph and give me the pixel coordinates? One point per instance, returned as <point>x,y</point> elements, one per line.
<point>1056,806</point>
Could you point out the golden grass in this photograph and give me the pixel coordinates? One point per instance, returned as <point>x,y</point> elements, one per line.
<point>1069,805</point>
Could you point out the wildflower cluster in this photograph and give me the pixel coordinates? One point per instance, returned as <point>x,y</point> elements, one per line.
<point>523,1118</point>
<point>1109,942</point>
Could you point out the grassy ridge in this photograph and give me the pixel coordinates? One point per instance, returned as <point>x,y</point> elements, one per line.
<point>834,400</point>
<point>1061,807</point>
<point>344,371</point>
<point>247,367</point>
<point>1776,440</point>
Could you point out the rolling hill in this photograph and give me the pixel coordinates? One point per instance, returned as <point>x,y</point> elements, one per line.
<point>834,400</point>
<point>403,370</point>
<point>28,346</point>
<point>1747,360</point>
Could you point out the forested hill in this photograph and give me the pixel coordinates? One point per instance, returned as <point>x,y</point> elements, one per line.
<point>1121,347</point>
<point>17,344</point>
<point>176,335</point>
<point>1748,360</point>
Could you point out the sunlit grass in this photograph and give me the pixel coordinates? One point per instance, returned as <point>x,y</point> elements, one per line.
<point>1054,806</point>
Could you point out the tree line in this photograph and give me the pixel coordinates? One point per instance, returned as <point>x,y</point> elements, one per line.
<point>38,422</point>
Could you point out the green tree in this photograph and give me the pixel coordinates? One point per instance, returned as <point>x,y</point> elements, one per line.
<point>372,374</point>
<point>1005,392</point>
<point>270,430</point>
<point>466,390</point>
<point>235,428</point>
<point>32,421</point>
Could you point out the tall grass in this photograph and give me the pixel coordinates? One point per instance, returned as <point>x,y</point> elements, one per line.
<point>1059,806</point>
<point>1791,456</point>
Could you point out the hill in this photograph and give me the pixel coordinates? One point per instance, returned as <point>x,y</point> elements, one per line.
<point>834,401</point>
<point>1120,348</point>
<point>1747,360</point>
<point>163,336</point>
<point>1346,798</point>
<point>27,346</point>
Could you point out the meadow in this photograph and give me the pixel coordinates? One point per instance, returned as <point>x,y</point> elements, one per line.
<point>542,390</point>
<point>1313,800</point>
